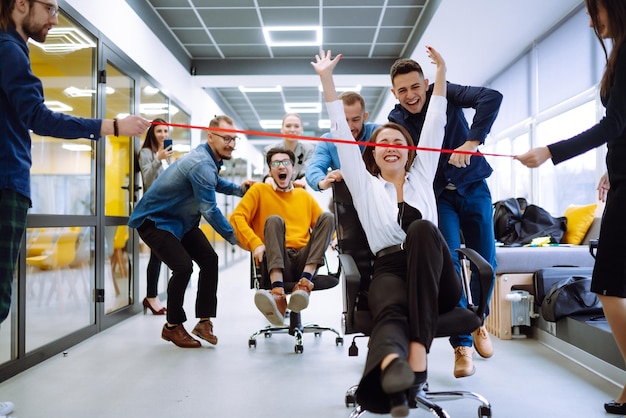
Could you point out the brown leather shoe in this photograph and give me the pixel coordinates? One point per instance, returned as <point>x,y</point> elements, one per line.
<point>272,305</point>
<point>180,337</point>
<point>463,364</point>
<point>482,342</point>
<point>299,298</point>
<point>204,330</point>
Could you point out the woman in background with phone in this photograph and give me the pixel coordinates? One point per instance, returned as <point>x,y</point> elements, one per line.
<point>154,158</point>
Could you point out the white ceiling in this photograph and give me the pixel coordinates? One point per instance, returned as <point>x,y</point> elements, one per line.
<point>477,38</point>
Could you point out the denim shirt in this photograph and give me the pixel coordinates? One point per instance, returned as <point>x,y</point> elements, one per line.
<point>186,191</point>
<point>21,109</point>
<point>486,102</point>
<point>326,156</point>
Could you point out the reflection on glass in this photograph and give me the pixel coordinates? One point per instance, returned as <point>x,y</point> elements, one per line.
<point>181,136</point>
<point>7,333</point>
<point>62,170</point>
<point>119,190</point>
<point>118,151</point>
<point>117,282</point>
<point>59,283</point>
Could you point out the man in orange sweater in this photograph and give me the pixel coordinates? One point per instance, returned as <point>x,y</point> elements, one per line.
<point>286,226</point>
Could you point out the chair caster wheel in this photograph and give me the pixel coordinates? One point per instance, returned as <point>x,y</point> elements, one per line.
<point>350,401</point>
<point>268,335</point>
<point>317,334</point>
<point>484,411</point>
<point>338,341</point>
<point>251,343</point>
<point>299,349</point>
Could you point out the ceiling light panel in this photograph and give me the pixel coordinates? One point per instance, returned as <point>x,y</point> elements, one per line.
<point>311,107</point>
<point>278,36</point>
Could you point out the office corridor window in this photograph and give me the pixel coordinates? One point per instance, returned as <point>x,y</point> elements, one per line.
<point>573,181</point>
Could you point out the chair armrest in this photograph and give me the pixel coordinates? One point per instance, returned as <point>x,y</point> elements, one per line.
<point>351,278</point>
<point>486,277</point>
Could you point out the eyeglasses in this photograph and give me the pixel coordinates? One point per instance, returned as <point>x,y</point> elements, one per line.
<point>227,139</point>
<point>277,163</point>
<point>52,9</point>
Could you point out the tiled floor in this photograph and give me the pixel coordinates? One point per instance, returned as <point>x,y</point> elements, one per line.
<point>128,371</point>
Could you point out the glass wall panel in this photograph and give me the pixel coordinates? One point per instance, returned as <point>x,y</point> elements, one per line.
<point>118,194</point>
<point>62,171</point>
<point>59,283</point>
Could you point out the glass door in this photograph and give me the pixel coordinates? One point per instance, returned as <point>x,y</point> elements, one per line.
<point>118,287</point>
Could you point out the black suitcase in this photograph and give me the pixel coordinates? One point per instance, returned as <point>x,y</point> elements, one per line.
<point>544,279</point>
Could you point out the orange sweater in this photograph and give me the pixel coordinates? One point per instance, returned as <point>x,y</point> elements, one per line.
<point>297,207</point>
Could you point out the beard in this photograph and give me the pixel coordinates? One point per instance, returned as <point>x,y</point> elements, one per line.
<point>32,30</point>
<point>224,157</point>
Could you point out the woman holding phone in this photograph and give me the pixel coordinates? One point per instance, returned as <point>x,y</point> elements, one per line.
<point>154,158</point>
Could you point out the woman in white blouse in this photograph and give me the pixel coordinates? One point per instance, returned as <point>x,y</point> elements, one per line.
<point>153,159</point>
<point>414,279</point>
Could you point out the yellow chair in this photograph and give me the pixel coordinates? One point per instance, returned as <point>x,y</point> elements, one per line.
<point>57,258</point>
<point>119,258</point>
<point>40,240</point>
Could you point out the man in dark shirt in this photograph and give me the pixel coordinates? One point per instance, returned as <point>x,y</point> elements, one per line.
<point>464,202</point>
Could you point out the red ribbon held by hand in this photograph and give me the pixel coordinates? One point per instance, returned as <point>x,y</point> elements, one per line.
<point>333,140</point>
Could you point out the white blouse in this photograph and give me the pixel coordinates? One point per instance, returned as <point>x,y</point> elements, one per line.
<point>375,198</point>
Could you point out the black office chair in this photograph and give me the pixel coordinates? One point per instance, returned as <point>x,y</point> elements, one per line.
<point>356,262</point>
<point>259,279</point>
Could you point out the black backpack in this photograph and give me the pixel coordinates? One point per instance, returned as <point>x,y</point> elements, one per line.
<point>507,213</point>
<point>515,222</point>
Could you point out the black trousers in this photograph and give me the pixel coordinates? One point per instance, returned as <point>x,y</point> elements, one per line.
<point>152,275</point>
<point>179,255</point>
<point>408,292</point>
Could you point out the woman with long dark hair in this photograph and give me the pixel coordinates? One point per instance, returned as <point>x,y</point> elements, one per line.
<point>608,20</point>
<point>153,159</point>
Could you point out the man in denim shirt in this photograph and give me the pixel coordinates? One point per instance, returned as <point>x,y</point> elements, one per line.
<point>168,217</point>
<point>325,156</point>
<point>464,202</point>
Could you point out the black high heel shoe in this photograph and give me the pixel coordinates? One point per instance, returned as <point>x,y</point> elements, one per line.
<point>398,405</point>
<point>395,379</point>
<point>615,408</point>
<point>413,391</point>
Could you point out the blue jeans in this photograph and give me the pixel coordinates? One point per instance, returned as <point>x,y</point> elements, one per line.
<point>471,215</point>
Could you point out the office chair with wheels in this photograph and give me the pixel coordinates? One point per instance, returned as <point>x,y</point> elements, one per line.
<point>259,279</point>
<point>356,261</point>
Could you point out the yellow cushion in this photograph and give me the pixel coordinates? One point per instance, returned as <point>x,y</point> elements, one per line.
<point>579,219</point>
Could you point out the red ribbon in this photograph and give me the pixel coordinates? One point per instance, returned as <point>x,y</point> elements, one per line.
<point>333,140</point>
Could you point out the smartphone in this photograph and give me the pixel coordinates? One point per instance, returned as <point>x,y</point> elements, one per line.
<point>167,143</point>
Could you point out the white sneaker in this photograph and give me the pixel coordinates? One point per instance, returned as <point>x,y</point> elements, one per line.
<point>6,408</point>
